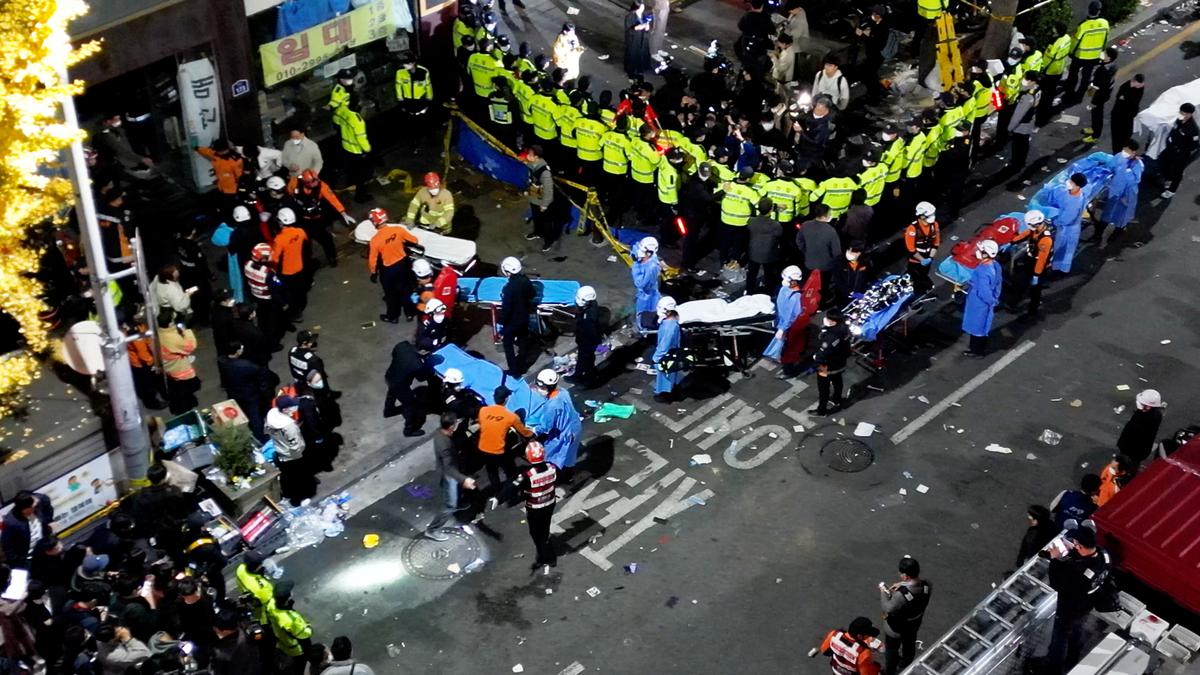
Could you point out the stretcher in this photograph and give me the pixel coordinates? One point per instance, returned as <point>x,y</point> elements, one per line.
<point>483,377</point>
<point>553,298</point>
<point>887,302</point>
<point>717,320</point>
<point>436,248</point>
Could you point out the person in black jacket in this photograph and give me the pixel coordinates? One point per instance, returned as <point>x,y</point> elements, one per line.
<point>248,384</point>
<point>763,249</point>
<point>194,271</point>
<point>853,277</point>
<point>1103,78</point>
<point>1125,107</point>
<point>27,522</point>
<point>1141,431</point>
<point>1076,575</point>
<point>588,336</point>
<point>254,341</point>
<point>1182,143</point>
<point>223,317</point>
<point>697,205</point>
<point>232,652</point>
<point>406,367</point>
<point>833,350</point>
<point>516,310</point>
<point>320,442</point>
<point>159,509</point>
<point>1039,533</point>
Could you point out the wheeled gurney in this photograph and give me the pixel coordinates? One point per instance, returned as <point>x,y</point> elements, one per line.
<point>483,377</point>
<point>437,248</point>
<point>717,319</point>
<point>553,297</point>
<point>887,302</point>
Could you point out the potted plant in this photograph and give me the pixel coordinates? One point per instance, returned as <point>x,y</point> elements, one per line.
<point>235,456</point>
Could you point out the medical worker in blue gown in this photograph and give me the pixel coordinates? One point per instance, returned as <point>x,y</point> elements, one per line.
<point>982,298</point>
<point>788,306</point>
<point>646,272</point>
<point>1122,199</point>
<point>669,337</point>
<point>557,421</point>
<point>1070,202</point>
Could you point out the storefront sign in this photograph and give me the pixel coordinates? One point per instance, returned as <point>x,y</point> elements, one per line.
<point>297,54</point>
<point>200,99</point>
<point>81,492</point>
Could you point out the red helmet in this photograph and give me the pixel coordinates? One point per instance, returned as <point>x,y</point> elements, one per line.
<point>432,180</point>
<point>379,217</point>
<point>535,452</point>
<point>309,177</point>
<point>262,252</point>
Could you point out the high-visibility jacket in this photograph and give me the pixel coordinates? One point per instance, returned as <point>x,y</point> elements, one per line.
<point>494,423</point>
<point>893,159</point>
<point>411,88</point>
<point>458,31</point>
<point>353,130</point>
<point>615,150</point>
<point>287,251</point>
<point>758,180</point>
<point>258,587</point>
<point>387,246</point>
<point>804,196</point>
<point>538,482</point>
<point>140,351</point>
<point>543,110</point>
<point>922,238</point>
<point>568,117</point>
<point>434,212</point>
<point>848,656</point>
<point>836,193</point>
<point>723,172</point>
<point>643,159</point>
<point>259,279</point>
<point>634,130</point>
<point>1010,85</point>
<point>667,181</point>
<point>482,68</point>
<point>338,96</point>
<point>176,347</point>
<point>914,155</point>
<point>1038,247</point>
<point>524,95</point>
<point>738,204</point>
<point>695,151</point>
<point>871,181</point>
<point>589,134</point>
<point>1090,39</point>
<point>1033,61</point>
<point>290,627</point>
<point>981,97</point>
<point>784,194</point>
<point>1054,62</point>
<point>227,169</point>
<point>931,9</point>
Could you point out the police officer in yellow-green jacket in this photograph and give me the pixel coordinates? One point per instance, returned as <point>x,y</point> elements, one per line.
<point>836,193</point>
<point>293,634</point>
<point>872,179</point>
<point>1054,62</point>
<point>482,67</point>
<point>644,158</point>
<point>1087,46</point>
<point>667,177</point>
<point>892,157</point>
<point>614,149</point>
<point>356,147</point>
<point>914,159</point>
<point>542,114</point>
<point>414,94</point>
<point>342,89</point>
<point>737,206</point>
<point>784,193</point>
<point>589,138</point>
<point>252,580</point>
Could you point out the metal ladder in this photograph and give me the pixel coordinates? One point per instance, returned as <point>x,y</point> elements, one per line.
<point>995,628</point>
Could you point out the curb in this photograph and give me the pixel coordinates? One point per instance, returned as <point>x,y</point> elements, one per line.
<point>1130,29</point>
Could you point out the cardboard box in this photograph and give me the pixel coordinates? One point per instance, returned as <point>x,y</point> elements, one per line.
<point>228,414</point>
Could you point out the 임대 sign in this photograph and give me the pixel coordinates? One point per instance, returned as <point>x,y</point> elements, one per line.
<point>299,53</point>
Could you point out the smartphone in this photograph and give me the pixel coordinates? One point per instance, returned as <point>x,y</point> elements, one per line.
<point>191,290</point>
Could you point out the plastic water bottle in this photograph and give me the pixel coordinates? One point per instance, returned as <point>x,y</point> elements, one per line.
<point>272,568</point>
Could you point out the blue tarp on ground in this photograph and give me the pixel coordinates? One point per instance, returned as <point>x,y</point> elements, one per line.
<point>485,157</point>
<point>482,377</point>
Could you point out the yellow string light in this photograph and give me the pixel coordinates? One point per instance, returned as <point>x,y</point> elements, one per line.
<point>34,48</point>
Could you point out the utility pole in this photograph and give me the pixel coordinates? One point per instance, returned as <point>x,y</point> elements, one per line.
<point>999,29</point>
<point>126,408</point>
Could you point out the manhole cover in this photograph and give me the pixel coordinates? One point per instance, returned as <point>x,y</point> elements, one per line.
<point>429,559</point>
<point>847,455</point>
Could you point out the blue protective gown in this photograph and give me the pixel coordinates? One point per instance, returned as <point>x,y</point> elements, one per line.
<point>645,284</point>
<point>982,299</point>
<point>669,338</point>
<point>787,307</point>
<point>1066,225</point>
<point>235,278</point>
<point>559,429</point>
<point>1122,199</point>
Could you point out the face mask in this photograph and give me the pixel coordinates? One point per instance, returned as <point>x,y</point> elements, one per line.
<point>785,283</point>
<point>434,191</point>
<point>347,83</point>
<point>851,257</point>
<point>767,126</point>
<point>439,318</point>
<point>116,124</point>
<point>1182,118</point>
<point>888,138</point>
<point>979,255</point>
<point>1127,155</point>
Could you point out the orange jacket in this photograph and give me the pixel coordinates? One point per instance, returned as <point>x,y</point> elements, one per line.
<point>1110,483</point>
<point>494,423</point>
<point>387,246</point>
<point>227,169</point>
<point>287,253</point>
<point>327,194</point>
<point>866,656</point>
<point>1045,246</point>
<point>140,354</point>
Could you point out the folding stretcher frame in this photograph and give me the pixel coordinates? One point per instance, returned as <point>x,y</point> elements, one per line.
<point>554,298</point>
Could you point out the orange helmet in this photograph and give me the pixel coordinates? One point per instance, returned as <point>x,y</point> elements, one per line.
<point>261,252</point>
<point>379,217</point>
<point>535,452</point>
<point>432,180</point>
<point>309,177</point>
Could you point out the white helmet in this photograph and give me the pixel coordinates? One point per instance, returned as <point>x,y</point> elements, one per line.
<point>1149,398</point>
<point>647,245</point>
<point>989,248</point>
<point>926,210</point>
<point>434,306</point>
<point>286,216</point>
<point>1034,217</point>
<point>547,378</point>
<point>792,273</point>
<point>510,265</point>
<point>665,304</point>
<point>241,214</point>
<point>453,376</point>
<point>584,295</point>
<point>275,183</point>
<point>422,268</point>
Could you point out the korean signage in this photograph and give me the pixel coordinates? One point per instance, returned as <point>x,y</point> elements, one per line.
<point>82,492</point>
<point>200,99</point>
<point>299,53</point>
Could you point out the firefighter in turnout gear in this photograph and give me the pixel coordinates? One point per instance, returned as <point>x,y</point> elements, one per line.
<point>432,208</point>
<point>852,651</point>
<point>922,239</point>
<point>1029,263</point>
<point>537,484</point>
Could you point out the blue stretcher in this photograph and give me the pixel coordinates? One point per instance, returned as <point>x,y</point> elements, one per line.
<point>482,377</point>
<point>552,296</point>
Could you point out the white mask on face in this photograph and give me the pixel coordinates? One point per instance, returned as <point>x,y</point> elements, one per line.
<point>433,192</point>
<point>851,256</point>
<point>297,142</point>
<point>767,126</point>
<point>439,318</point>
<point>116,124</point>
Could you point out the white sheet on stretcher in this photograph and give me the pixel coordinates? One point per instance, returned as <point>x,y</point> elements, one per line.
<point>437,246</point>
<point>717,311</point>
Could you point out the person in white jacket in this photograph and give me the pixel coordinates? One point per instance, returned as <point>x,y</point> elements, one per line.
<point>168,294</point>
<point>342,664</point>
<point>830,82</point>
<point>284,432</point>
<point>796,23</point>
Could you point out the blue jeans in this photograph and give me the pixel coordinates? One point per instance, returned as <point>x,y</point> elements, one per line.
<point>450,493</point>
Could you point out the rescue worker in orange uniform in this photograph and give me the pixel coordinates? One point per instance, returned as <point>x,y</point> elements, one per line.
<point>318,204</point>
<point>495,421</point>
<point>291,256</point>
<point>141,356</point>
<point>1030,262</point>
<point>227,168</point>
<point>537,483</point>
<point>852,651</point>
<point>389,264</point>
<point>922,238</point>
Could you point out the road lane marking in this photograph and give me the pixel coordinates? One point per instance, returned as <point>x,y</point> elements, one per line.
<point>1157,49</point>
<point>971,385</point>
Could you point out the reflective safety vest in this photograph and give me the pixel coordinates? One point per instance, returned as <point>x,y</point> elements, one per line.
<point>921,239</point>
<point>1033,62</point>
<point>353,130</point>
<point>1010,86</point>
<point>784,194</point>
<point>289,628</point>
<point>615,150</point>
<point>723,172</point>
<point>635,128</point>
<point>668,183</point>
<point>836,193</point>
<point>589,134</point>
<point>738,204</point>
<point>258,587</point>
<point>300,362</point>
<point>524,95</point>
<point>846,652</point>
<point>871,181</point>
<point>893,159</point>
<point>914,155</point>
<point>410,88</point>
<point>804,197</point>
<point>1090,40</point>
<point>432,212</point>
<point>542,113</point>
<point>258,278</point>
<point>482,68</point>
<point>500,109</point>
<point>643,159</point>
<point>541,477</point>
<point>459,31</point>
<point>931,9</point>
<point>981,98</point>
<point>695,151</point>
<point>758,180</point>
<point>1054,62</point>
<point>338,96</point>
<point>567,118</point>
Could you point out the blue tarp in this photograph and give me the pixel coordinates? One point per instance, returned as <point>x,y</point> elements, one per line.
<point>482,377</point>
<point>297,15</point>
<point>875,323</point>
<point>485,157</point>
<point>546,291</point>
